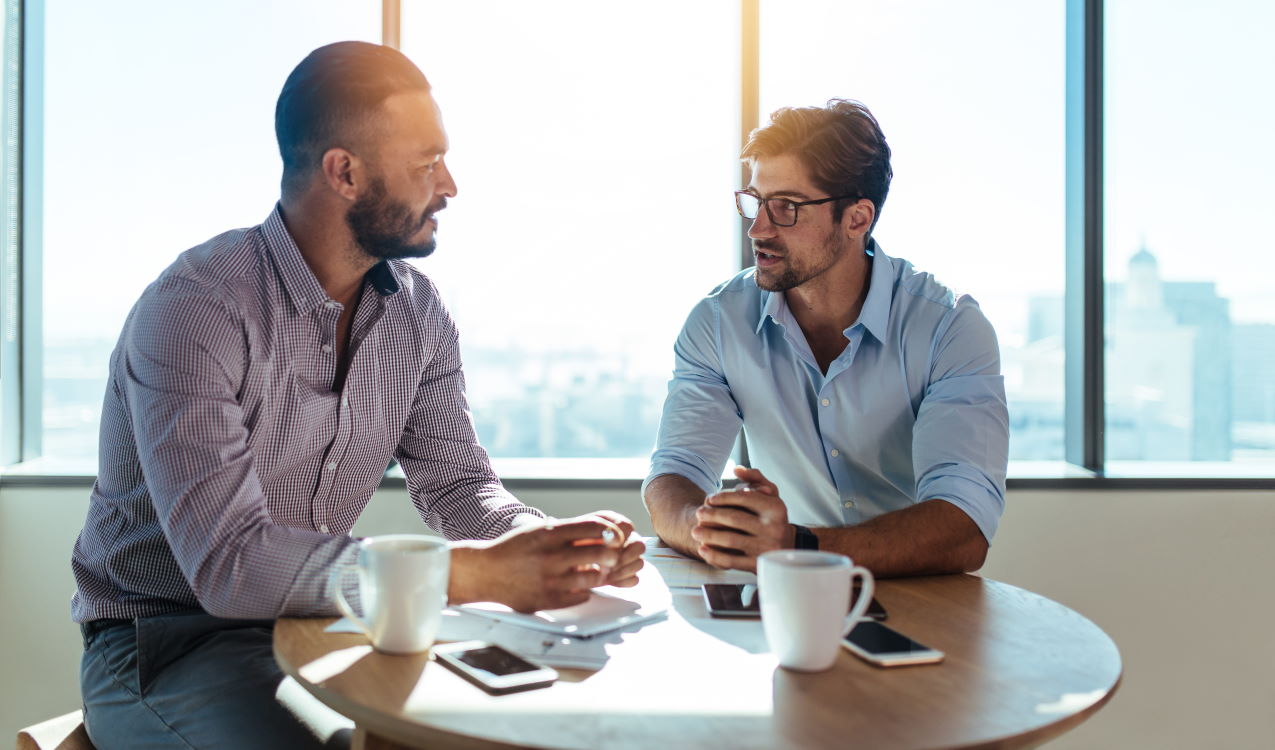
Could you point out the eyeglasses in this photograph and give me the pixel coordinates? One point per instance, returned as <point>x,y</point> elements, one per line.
<point>782,212</point>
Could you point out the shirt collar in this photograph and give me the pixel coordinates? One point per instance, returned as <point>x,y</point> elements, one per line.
<point>875,314</point>
<point>876,308</point>
<point>303,289</point>
<point>773,306</point>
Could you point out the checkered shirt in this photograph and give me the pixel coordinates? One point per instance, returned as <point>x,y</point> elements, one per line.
<point>230,471</point>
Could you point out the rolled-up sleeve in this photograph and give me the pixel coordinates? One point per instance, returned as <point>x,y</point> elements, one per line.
<point>960,446</point>
<point>701,419</point>
<point>184,364</point>
<point>449,475</point>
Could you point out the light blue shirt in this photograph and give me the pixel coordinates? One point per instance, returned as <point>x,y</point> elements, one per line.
<point>912,410</point>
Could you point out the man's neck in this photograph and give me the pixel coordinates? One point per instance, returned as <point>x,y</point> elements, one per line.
<point>327,246</point>
<point>831,302</point>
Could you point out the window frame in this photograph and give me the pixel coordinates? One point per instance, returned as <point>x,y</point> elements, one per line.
<point>21,272</point>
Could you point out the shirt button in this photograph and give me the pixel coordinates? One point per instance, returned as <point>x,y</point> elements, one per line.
<point>835,453</point>
<point>345,400</point>
<point>327,348</point>
<point>848,503</point>
<point>825,402</point>
<point>332,466</point>
<point>323,527</point>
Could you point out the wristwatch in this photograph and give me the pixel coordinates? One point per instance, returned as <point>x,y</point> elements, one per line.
<point>805,538</point>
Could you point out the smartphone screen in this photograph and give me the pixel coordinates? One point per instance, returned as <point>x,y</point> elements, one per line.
<point>732,599</point>
<point>741,600</point>
<point>495,661</point>
<point>876,638</point>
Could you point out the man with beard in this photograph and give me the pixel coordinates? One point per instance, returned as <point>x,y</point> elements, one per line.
<point>870,395</point>
<point>258,391</point>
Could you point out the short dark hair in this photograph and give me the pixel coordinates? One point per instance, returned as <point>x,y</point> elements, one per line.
<point>840,145</point>
<point>330,96</point>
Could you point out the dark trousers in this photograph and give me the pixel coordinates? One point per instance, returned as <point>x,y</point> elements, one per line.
<point>191,680</point>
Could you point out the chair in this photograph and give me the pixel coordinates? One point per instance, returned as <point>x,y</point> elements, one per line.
<point>66,732</point>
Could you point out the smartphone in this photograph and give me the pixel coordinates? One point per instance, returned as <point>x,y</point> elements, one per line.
<point>732,599</point>
<point>740,600</point>
<point>493,668</point>
<point>879,645</point>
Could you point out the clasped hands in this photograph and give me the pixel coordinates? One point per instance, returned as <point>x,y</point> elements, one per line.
<point>734,527</point>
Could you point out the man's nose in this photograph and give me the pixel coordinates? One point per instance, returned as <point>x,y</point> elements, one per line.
<point>762,226</point>
<point>446,183</point>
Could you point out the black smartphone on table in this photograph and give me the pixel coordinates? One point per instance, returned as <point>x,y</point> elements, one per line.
<point>741,600</point>
<point>885,647</point>
<point>493,668</point>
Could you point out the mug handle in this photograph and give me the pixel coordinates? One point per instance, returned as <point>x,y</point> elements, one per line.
<point>334,583</point>
<point>865,597</point>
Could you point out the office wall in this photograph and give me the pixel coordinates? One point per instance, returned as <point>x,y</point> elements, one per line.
<point>1180,580</point>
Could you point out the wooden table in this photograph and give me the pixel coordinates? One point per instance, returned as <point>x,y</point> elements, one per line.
<point>1020,669</point>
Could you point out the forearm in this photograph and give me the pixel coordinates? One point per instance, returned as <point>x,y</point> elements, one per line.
<point>672,499</point>
<point>466,580</point>
<point>931,537</point>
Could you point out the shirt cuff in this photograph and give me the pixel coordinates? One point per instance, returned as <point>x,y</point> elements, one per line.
<point>980,503</point>
<point>686,464</point>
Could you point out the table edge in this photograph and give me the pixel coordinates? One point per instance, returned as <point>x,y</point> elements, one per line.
<point>413,732</point>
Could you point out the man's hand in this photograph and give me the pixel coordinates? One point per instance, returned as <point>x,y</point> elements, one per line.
<point>624,574</point>
<point>735,526</point>
<point>540,566</point>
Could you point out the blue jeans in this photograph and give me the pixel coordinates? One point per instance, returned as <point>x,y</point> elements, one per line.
<point>189,680</point>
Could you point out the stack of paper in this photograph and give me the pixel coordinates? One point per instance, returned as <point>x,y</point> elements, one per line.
<point>602,613</point>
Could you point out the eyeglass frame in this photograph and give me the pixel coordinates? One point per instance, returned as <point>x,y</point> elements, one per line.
<point>765,202</point>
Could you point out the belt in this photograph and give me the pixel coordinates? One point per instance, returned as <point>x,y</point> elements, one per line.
<point>93,627</point>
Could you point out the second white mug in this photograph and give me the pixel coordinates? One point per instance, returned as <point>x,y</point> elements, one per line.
<point>403,588</point>
<point>804,598</point>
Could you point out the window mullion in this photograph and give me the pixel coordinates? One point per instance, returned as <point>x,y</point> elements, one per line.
<point>391,18</point>
<point>1085,334</point>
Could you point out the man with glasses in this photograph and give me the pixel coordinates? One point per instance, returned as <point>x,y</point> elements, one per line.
<point>870,395</point>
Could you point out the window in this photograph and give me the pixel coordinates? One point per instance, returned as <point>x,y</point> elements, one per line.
<point>595,146</point>
<point>595,150</point>
<point>1190,178</point>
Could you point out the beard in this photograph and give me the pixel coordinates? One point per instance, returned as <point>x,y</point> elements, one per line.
<point>792,273</point>
<point>383,228</point>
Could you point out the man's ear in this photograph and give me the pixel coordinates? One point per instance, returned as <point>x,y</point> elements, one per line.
<point>856,222</point>
<point>343,172</point>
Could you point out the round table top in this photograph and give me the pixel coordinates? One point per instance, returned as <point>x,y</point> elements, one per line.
<point>1020,669</point>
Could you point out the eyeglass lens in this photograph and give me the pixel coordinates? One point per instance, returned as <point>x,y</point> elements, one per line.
<point>782,211</point>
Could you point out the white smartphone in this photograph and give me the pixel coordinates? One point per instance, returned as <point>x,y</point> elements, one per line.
<point>879,645</point>
<point>493,668</point>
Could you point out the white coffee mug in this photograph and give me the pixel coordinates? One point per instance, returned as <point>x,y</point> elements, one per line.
<point>403,588</point>
<point>804,598</point>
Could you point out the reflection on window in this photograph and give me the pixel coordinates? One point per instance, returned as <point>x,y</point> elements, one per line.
<point>1190,172</point>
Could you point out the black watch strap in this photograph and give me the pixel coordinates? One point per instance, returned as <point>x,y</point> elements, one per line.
<point>805,538</point>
